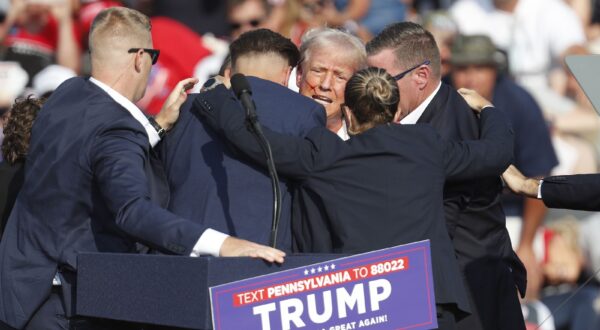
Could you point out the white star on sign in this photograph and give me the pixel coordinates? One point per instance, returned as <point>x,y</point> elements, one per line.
<point>306,272</point>
<point>320,269</point>
<point>332,266</point>
<point>312,271</point>
<point>326,268</point>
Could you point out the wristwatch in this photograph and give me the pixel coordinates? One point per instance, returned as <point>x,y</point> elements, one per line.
<point>161,131</point>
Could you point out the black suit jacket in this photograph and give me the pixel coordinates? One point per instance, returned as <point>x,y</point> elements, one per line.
<point>92,184</point>
<point>11,180</point>
<point>384,187</point>
<point>576,192</point>
<point>474,214</point>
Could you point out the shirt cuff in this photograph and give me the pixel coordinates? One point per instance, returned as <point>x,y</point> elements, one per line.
<point>209,243</point>
<point>539,194</point>
<point>152,134</point>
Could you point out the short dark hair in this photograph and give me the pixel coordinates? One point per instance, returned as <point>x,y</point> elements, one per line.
<point>411,43</point>
<point>262,41</point>
<point>17,130</point>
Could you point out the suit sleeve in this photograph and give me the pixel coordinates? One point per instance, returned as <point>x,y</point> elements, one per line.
<point>315,118</point>
<point>488,156</point>
<point>577,192</point>
<point>294,157</point>
<point>117,159</point>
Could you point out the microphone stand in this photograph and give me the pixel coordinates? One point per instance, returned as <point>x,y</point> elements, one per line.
<point>254,127</point>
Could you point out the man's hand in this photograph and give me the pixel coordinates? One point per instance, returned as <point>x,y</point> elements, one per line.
<point>235,247</point>
<point>520,184</point>
<point>170,111</point>
<point>474,100</point>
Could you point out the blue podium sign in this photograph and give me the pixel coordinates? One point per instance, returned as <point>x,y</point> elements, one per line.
<point>385,289</point>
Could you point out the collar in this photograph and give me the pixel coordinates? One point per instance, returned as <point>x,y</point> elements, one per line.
<point>414,116</point>
<point>131,108</point>
<point>343,132</point>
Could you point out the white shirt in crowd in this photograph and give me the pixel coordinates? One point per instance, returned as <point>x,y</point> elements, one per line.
<point>534,35</point>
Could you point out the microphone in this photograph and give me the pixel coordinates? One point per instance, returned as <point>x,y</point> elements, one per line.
<point>243,92</point>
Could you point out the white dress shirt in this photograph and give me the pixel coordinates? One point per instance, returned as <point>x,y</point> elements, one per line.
<point>414,115</point>
<point>210,241</point>
<point>343,132</point>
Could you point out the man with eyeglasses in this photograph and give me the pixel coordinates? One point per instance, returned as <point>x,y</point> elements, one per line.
<point>474,215</point>
<point>246,15</point>
<point>93,183</point>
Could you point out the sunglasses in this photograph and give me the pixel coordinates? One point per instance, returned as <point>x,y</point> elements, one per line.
<point>404,73</point>
<point>152,52</point>
<point>252,23</point>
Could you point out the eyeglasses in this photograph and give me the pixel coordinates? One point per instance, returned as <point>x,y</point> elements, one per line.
<point>152,52</point>
<point>404,73</point>
<point>252,23</point>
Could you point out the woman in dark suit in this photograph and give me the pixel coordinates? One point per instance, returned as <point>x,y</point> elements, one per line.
<point>384,186</point>
<point>17,132</point>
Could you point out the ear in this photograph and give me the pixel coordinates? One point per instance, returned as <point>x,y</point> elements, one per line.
<point>286,76</point>
<point>422,75</point>
<point>298,75</point>
<point>139,61</point>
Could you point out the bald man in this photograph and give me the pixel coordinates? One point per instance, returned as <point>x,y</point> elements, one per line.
<point>93,183</point>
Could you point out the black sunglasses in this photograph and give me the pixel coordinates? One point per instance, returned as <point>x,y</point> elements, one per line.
<point>253,23</point>
<point>152,52</point>
<point>404,73</point>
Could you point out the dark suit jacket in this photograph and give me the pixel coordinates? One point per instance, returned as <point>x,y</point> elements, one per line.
<point>474,214</point>
<point>576,192</point>
<point>384,187</point>
<point>91,184</point>
<point>229,194</point>
<point>11,180</point>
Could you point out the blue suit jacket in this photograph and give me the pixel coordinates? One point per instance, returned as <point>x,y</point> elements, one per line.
<point>211,185</point>
<point>383,187</point>
<point>91,184</point>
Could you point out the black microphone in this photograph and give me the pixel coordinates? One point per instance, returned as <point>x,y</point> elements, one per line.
<point>243,92</point>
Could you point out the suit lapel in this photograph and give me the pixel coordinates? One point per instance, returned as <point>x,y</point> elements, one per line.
<point>436,105</point>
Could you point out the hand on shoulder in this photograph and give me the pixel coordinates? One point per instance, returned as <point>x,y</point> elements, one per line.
<point>474,100</point>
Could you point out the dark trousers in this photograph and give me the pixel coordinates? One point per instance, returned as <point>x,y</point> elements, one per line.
<point>493,297</point>
<point>446,316</point>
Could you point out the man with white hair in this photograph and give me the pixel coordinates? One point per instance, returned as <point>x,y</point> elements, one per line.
<point>328,58</point>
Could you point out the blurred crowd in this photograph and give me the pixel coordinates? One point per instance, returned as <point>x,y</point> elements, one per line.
<point>510,51</point>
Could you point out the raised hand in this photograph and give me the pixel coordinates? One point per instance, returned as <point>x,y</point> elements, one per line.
<point>169,113</point>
